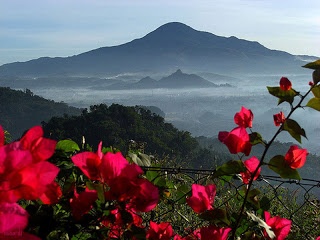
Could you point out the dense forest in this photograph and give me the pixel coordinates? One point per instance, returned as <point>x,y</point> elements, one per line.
<point>119,126</point>
<point>20,110</point>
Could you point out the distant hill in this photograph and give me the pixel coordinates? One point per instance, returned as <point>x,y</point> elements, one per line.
<point>176,80</point>
<point>21,110</point>
<point>171,46</point>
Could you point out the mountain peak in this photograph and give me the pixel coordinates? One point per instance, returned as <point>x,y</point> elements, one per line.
<point>178,72</point>
<point>171,31</point>
<point>174,26</point>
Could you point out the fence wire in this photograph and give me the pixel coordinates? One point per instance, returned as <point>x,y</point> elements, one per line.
<point>297,200</point>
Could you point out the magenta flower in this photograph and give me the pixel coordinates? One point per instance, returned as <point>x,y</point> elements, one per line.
<point>244,118</point>
<point>202,197</point>
<point>296,157</point>
<point>280,226</point>
<point>213,232</point>
<point>161,231</point>
<point>278,119</point>
<point>237,140</point>
<point>123,179</point>
<point>24,171</point>
<point>285,84</point>
<point>251,164</point>
<point>13,220</point>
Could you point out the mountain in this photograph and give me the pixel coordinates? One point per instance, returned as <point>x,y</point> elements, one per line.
<point>21,110</point>
<point>177,79</point>
<point>182,80</point>
<point>171,46</point>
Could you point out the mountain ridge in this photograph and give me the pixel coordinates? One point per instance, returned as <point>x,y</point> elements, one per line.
<point>178,80</point>
<point>172,45</point>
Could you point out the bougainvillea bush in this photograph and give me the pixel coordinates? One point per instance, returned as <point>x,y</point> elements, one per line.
<point>55,190</point>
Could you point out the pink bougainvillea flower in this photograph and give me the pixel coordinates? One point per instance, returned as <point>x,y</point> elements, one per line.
<point>52,194</point>
<point>28,183</point>
<point>81,203</point>
<point>244,118</point>
<point>24,173</point>
<point>251,164</point>
<point>296,157</point>
<point>280,226</point>
<point>237,140</point>
<point>279,118</point>
<point>119,220</point>
<point>285,84</point>
<point>213,232</point>
<point>202,197</point>
<point>41,148</point>
<point>13,220</point>
<point>123,178</point>
<point>161,231</point>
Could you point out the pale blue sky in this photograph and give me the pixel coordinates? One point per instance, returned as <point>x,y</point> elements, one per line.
<point>35,28</point>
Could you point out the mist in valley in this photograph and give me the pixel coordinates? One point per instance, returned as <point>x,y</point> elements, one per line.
<point>201,111</point>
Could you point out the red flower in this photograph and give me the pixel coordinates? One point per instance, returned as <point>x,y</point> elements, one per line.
<point>285,84</point>
<point>311,84</point>
<point>13,219</point>
<point>237,140</point>
<point>279,118</point>
<point>251,165</point>
<point>52,194</point>
<point>202,197</point>
<point>81,203</point>
<point>161,231</point>
<point>123,178</point>
<point>41,148</point>
<point>119,220</point>
<point>280,226</point>
<point>24,173</point>
<point>296,157</point>
<point>244,118</point>
<point>213,232</point>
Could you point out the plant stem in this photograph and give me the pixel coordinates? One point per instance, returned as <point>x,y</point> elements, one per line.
<point>267,146</point>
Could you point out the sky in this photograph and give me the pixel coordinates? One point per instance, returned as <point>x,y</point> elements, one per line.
<point>31,29</point>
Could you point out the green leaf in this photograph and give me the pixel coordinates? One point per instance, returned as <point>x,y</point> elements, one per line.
<point>294,129</point>
<point>152,175</point>
<point>230,168</point>
<point>67,146</point>
<point>316,91</point>
<point>253,198</point>
<point>141,160</point>
<point>265,203</point>
<point>284,96</point>
<point>182,192</point>
<point>216,215</point>
<point>255,138</point>
<point>314,103</point>
<point>279,165</point>
<point>313,65</point>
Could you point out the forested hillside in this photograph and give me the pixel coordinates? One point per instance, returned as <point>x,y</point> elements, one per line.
<point>117,126</point>
<point>20,110</point>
